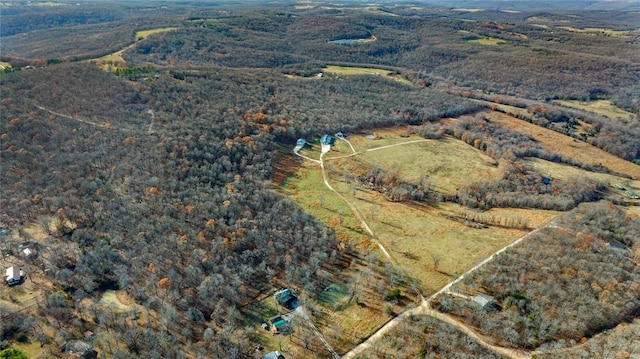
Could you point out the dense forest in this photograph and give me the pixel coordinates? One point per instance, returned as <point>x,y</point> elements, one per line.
<point>161,184</point>
<point>174,176</point>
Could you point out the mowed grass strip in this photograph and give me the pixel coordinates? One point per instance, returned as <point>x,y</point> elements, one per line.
<point>558,143</point>
<point>143,34</point>
<point>354,71</point>
<point>601,107</point>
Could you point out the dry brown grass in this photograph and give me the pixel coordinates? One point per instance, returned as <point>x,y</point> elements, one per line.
<point>558,143</point>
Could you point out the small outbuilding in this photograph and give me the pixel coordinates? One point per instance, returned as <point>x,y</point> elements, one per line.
<point>14,275</point>
<point>618,248</point>
<point>80,348</point>
<point>300,142</point>
<point>485,301</point>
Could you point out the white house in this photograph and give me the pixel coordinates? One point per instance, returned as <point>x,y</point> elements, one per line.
<point>14,275</point>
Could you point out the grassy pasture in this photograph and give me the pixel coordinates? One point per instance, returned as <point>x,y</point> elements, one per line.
<point>112,62</point>
<point>601,107</point>
<point>4,65</point>
<point>560,171</point>
<point>491,41</point>
<point>143,34</point>
<point>558,143</point>
<point>308,190</point>
<point>446,163</point>
<point>597,30</point>
<point>429,246</point>
<point>353,71</point>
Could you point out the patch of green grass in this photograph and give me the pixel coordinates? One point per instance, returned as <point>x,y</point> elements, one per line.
<point>334,294</point>
<point>307,189</point>
<point>490,41</point>
<point>353,71</point>
<point>143,34</point>
<point>601,107</point>
<point>597,30</point>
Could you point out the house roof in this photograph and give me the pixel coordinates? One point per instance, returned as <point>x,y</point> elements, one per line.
<point>273,355</point>
<point>283,296</point>
<point>326,139</point>
<point>13,272</point>
<point>76,346</point>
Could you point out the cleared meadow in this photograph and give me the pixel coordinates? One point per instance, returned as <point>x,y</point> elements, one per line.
<point>143,34</point>
<point>558,143</point>
<point>354,71</point>
<point>601,107</point>
<point>447,164</point>
<point>429,246</point>
<point>490,41</point>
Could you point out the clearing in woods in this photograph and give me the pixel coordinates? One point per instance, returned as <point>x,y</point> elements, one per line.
<point>601,107</point>
<point>143,34</point>
<point>353,71</point>
<point>429,245</point>
<point>556,142</point>
<point>597,31</point>
<point>432,160</point>
<point>491,41</point>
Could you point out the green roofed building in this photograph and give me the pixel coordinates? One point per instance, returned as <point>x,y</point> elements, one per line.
<point>278,324</point>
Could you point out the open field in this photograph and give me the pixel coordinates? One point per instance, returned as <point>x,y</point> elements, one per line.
<point>430,248</point>
<point>112,62</point>
<point>558,143</point>
<point>488,41</point>
<point>447,164</point>
<point>143,34</point>
<point>374,139</point>
<point>601,107</point>
<point>4,65</point>
<point>425,242</point>
<point>307,189</point>
<point>353,71</point>
<point>560,171</point>
<point>597,30</point>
